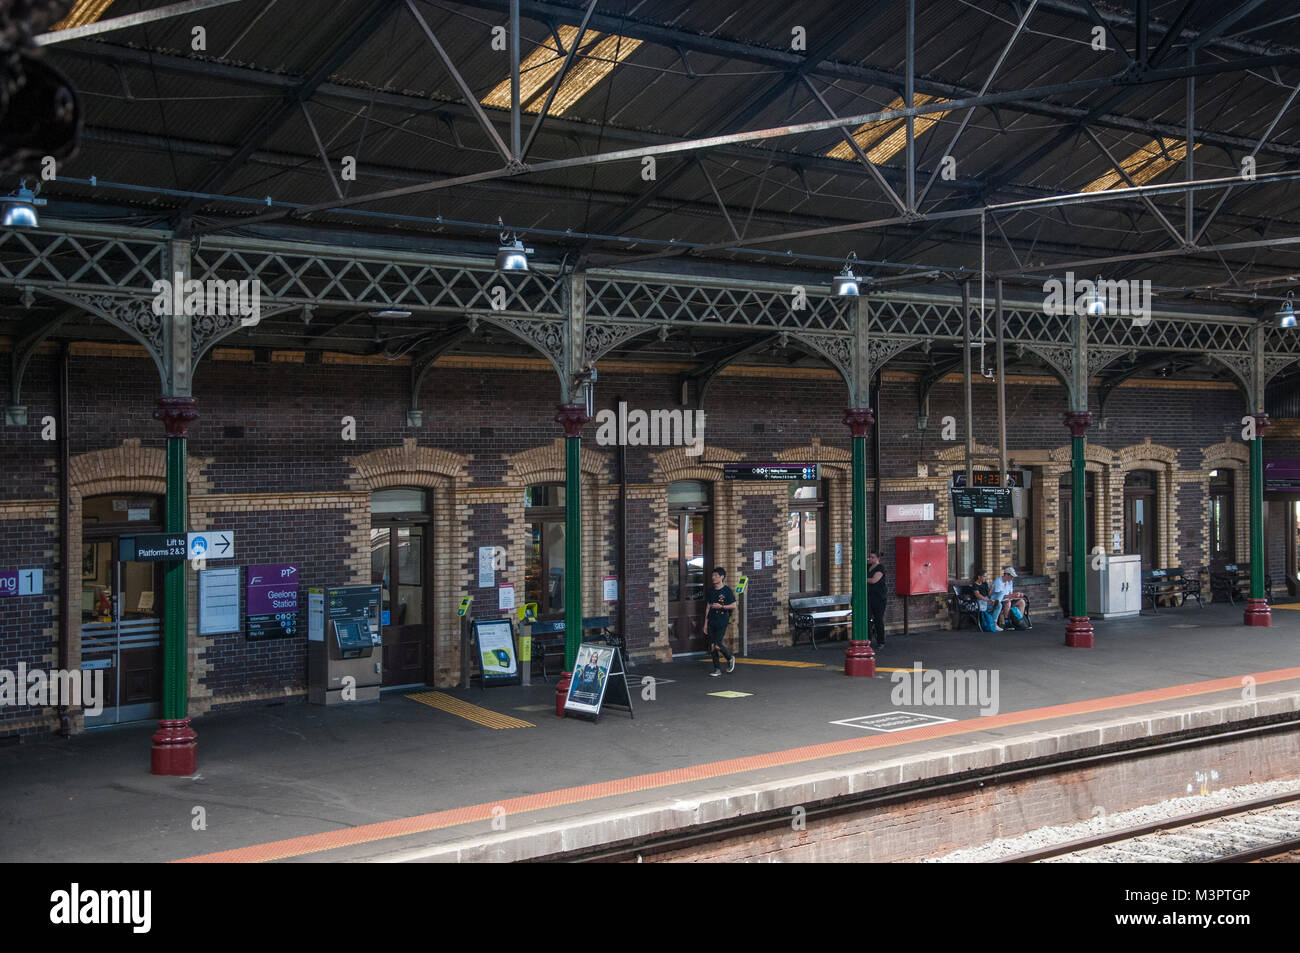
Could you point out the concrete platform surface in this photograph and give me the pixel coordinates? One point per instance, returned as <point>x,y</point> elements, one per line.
<point>398,779</point>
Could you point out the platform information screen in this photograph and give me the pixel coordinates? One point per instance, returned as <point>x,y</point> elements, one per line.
<point>982,501</point>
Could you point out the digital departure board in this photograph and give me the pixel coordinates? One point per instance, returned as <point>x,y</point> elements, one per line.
<point>982,501</point>
<point>771,471</point>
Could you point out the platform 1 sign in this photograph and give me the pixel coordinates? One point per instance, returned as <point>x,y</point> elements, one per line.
<point>21,582</point>
<point>771,471</point>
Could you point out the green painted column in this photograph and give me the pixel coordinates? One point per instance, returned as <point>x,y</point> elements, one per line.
<point>859,659</point>
<point>1078,630</point>
<point>175,693</point>
<point>1257,609</point>
<point>572,417</point>
<point>572,550</point>
<point>175,747</point>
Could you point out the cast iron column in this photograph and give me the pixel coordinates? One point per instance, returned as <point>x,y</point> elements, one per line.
<point>858,657</point>
<point>175,748</point>
<point>1078,631</point>
<point>572,417</point>
<point>1257,610</point>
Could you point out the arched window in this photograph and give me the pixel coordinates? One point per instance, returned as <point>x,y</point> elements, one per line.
<point>1140,516</point>
<point>544,552</point>
<point>807,538</point>
<point>1223,524</point>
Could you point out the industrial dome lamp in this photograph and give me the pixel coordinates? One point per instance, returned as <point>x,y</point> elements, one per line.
<point>1285,316</point>
<point>512,255</point>
<point>1096,303</point>
<point>20,208</point>
<point>846,284</point>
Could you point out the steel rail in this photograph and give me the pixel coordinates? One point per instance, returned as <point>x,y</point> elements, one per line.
<point>1151,827</point>
<point>779,818</point>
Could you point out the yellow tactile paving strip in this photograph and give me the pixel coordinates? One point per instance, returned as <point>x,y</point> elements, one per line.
<point>463,709</point>
<point>771,661</point>
<point>438,820</point>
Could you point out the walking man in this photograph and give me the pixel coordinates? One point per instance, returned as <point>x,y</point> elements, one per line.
<point>721,601</point>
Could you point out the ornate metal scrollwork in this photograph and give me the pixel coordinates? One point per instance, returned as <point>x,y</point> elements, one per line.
<point>600,339</point>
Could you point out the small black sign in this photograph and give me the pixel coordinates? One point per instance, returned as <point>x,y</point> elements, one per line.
<point>982,478</point>
<point>982,501</point>
<point>771,471</point>
<point>152,548</point>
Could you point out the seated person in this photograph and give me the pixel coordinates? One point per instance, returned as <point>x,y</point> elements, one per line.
<point>983,599</point>
<point>1004,592</point>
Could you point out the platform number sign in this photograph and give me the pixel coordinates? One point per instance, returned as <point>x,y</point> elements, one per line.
<point>22,582</point>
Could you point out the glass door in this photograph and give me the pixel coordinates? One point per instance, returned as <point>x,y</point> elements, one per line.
<point>121,615</point>
<point>687,529</point>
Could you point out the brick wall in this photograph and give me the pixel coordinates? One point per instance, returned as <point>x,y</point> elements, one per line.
<point>273,456</point>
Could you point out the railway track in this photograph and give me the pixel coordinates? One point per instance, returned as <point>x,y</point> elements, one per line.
<point>701,838</point>
<point>1261,829</point>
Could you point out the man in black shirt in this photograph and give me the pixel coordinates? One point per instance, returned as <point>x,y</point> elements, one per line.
<point>877,597</point>
<point>721,601</point>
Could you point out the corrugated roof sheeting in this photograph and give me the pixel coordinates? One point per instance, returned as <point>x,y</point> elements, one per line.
<point>181,127</point>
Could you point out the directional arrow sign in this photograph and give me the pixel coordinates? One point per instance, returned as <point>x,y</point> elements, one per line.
<point>213,544</point>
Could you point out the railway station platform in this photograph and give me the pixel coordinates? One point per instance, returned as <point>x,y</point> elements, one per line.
<point>494,775</point>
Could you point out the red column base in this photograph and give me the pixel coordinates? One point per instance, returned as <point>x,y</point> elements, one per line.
<point>1258,612</point>
<point>859,660</point>
<point>562,692</point>
<point>175,748</point>
<point>1078,632</point>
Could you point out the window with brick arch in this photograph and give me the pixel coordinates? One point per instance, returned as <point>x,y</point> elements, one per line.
<point>1140,511</point>
<point>1223,522</point>
<point>544,549</point>
<point>807,538</point>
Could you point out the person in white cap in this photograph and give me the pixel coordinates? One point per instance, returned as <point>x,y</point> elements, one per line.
<point>1004,591</point>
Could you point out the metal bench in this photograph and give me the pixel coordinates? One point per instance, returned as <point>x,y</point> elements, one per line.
<point>962,604</point>
<point>548,638</point>
<point>1160,584</point>
<point>1233,580</point>
<point>811,613</point>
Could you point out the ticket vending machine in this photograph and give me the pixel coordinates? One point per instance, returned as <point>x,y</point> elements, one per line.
<point>344,663</point>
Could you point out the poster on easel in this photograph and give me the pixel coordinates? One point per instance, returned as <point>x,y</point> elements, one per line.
<point>599,679</point>
<point>498,660</point>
